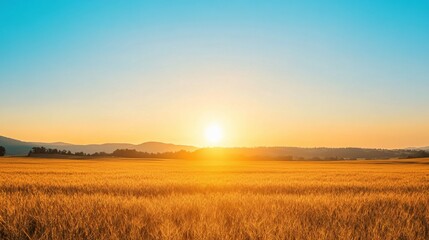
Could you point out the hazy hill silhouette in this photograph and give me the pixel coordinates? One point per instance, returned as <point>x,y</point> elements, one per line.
<point>321,153</point>
<point>419,148</point>
<point>17,147</point>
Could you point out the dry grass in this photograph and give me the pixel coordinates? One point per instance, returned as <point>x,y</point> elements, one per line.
<point>172,199</point>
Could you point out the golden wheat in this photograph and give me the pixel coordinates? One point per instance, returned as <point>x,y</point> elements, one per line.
<point>177,199</point>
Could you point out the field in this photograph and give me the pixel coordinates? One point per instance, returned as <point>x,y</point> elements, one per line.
<point>177,199</point>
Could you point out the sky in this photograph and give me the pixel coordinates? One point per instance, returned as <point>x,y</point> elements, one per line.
<point>269,73</point>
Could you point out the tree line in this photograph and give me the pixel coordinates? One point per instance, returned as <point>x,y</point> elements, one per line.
<point>47,151</point>
<point>129,153</point>
<point>207,153</point>
<point>215,153</point>
<point>244,153</point>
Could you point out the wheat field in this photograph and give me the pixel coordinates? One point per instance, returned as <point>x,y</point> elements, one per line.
<point>178,199</point>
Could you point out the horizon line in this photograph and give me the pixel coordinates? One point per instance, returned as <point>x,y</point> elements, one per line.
<point>220,146</point>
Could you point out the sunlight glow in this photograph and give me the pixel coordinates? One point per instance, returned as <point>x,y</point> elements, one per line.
<point>213,134</point>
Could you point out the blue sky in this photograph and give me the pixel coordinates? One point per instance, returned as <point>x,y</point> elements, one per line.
<point>307,73</point>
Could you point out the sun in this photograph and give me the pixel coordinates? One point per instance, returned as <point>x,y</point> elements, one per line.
<point>213,134</point>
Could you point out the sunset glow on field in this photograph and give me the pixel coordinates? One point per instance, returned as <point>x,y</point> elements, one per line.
<point>229,120</point>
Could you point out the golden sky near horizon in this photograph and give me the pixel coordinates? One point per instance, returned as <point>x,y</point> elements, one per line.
<point>237,130</point>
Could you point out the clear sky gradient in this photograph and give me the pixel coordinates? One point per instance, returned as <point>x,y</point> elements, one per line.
<point>291,73</point>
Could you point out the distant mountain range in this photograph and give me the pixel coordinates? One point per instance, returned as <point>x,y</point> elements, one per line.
<point>317,153</point>
<point>17,147</point>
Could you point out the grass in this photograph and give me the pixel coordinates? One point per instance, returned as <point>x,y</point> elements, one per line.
<point>175,199</point>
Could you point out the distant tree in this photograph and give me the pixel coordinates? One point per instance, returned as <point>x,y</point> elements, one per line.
<point>418,154</point>
<point>99,154</point>
<point>37,150</point>
<point>42,150</point>
<point>2,151</point>
<point>79,153</point>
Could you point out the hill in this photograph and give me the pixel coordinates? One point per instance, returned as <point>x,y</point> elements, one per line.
<point>321,153</point>
<point>420,148</point>
<point>16,147</point>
